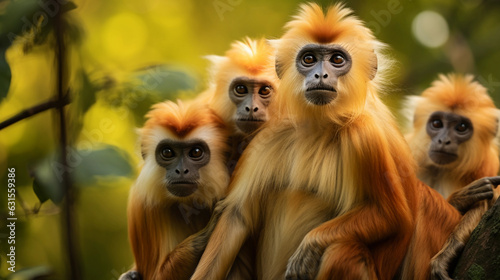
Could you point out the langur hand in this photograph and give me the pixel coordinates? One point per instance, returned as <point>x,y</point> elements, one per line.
<point>441,262</point>
<point>439,273</point>
<point>305,262</point>
<point>476,191</point>
<point>439,268</point>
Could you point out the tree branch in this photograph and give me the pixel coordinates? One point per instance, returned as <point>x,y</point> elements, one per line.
<point>68,215</point>
<point>35,110</point>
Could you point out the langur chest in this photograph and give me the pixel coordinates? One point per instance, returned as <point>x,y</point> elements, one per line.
<point>187,218</point>
<point>316,164</point>
<point>440,181</point>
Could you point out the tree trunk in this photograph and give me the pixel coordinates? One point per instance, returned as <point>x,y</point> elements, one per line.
<point>481,256</point>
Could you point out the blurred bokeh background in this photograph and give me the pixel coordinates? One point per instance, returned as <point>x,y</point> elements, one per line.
<point>123,56</point>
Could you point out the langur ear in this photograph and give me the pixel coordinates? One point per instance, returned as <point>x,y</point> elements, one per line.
<point>407,111</point>
<point>497,135</point>
<point>139,132</point>
<point>278,66</point>
<point>373,66</point>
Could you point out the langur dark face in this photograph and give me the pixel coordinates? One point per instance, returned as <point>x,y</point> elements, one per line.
<point>321,66</point>
<point>447,131</point>
<point>251,97</point>
<point>182,161</point>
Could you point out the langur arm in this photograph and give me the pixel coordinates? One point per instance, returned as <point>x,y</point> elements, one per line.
<point>144,240</point>
<point>228,236</point>
<point>349,236</point>
<point>455,243</point>
<point>244,264</point>
<point>384,214</point>
<point>476,191</point>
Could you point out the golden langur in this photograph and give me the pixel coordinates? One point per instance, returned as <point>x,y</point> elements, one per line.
<point>183,176</point>
<point>328,184</point>
<point>242,85</point>
<point>453,139</point>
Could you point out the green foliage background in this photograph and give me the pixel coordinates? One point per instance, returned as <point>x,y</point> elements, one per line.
<point>129,54</point>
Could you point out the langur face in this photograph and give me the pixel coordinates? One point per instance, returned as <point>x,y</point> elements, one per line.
<point>251,97</point>
<point>182,161</point>
<point>321,66</point>
<point>447,131</point>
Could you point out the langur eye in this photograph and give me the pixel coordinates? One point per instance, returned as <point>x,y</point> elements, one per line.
<point>437,124</point>
<point>462,127</point>
<point>308,59</point>
<point>338,60</point>
<point>167,153</point>
<point>241,89</point>
<point>265,91</point>
<point>195,153</point>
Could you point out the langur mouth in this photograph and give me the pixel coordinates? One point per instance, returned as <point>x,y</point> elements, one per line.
<point>442,157</point>
<point>249,125</point>
<point>250,120</point>
<point>321,87</point>
<point>321,95</point>
<point>182,188</point>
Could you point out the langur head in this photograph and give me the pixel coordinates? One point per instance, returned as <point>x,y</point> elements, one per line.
<point>244,82</point>
<point>184,149</point>
<point>455,120</point>
<point>327,63</point>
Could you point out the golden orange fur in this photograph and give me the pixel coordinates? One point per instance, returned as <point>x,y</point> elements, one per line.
<point>159,222</point>
<point>346,160</point>
<point>478,157</point>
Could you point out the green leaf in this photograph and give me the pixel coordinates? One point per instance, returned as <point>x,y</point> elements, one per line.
<point>164,81</point>
<point>48,180</point>
<point>87,95</point>
<point>68,7</point>
<point>5,76</point>
<point>19,16</point>
<point>84,167</point>
<point>146,87</point>
<point>40,191</point>
<point>108,161</point>
<point>154,84</point>
<point>17,20</point>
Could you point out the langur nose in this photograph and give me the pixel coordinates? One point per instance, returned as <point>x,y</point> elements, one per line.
<point>317,76</point>
<point>446,142</point>
<point>255,109</point>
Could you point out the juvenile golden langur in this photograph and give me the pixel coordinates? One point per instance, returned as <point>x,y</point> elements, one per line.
<point>242,85</point>
<point>184,174</point>
<point>453,137</point>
